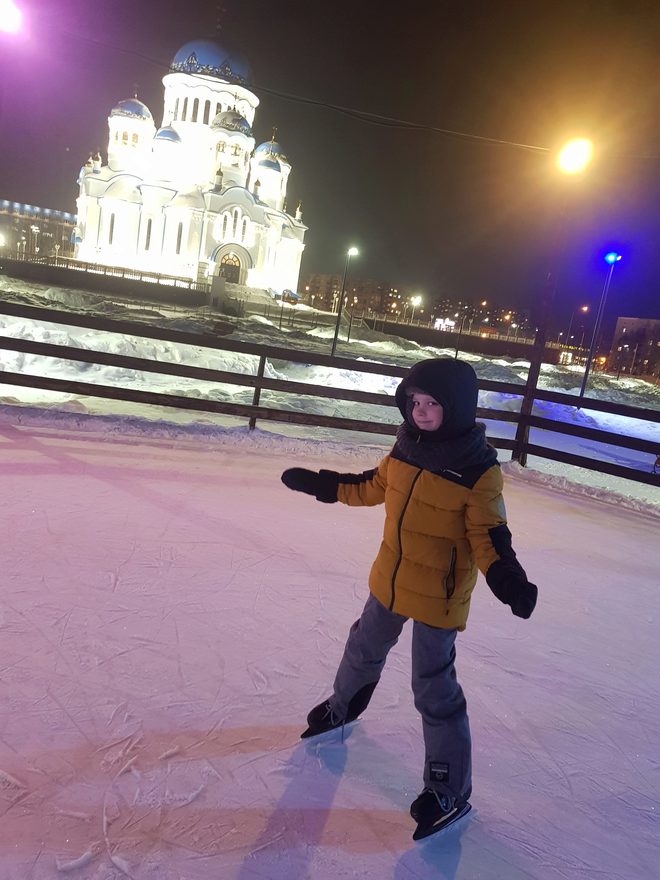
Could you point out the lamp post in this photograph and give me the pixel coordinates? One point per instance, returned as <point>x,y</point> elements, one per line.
<point>11,17</point>
<point>584,309</point>
<point>351,252</point>
<point>612,258</point>
<point>572,160</point>
<point>414,301</point>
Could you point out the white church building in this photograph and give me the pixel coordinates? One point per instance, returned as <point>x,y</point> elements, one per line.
<point>193,198</point>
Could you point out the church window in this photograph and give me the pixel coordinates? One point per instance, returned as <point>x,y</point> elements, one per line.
<point>236,150</point>
<point>147,237</point>
<point>176,109</point>
<point>224,225</point>
<point>218,108</point>
<point>134,139</point>
<point>244,230</point>
<point>184,112</point>
<point>207,112</point>
<point>221,146</point>
<point>195,109</point>
<point>124,137</point>
<point>111,230</point>
<point>179,236</point>
<point>235,226</point>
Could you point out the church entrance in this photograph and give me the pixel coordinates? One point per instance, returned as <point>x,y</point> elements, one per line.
<point>230,268</point>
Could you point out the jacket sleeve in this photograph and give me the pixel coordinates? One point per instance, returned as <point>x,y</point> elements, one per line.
<point>360,490</point>
<point>485,520</point>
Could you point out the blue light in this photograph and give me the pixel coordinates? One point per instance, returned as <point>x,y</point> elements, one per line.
<point>612,257</point>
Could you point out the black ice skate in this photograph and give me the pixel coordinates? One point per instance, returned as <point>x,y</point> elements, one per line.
<point>434,811</point>
<point>322,718</point>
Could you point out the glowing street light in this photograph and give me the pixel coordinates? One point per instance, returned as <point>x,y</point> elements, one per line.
<point>612,258</point>
<point>414,301</point>
<point>575,155</point>
<point>583,309</point>
<point>11,17</point>
<point>351,252</point>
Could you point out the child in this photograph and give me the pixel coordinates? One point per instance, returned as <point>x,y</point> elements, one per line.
<point>444,518</point>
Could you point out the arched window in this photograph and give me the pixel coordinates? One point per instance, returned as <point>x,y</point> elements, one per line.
<point>218,108</point>
<point>244,230</point>
<point>179,236</point>
<point>124,137</point>
<point>185,110</point>
<point>134,139</point>
<point>147,237</point>
<point>176,109</point>
<point>221,146</point>
<point>224,225</point>
<point>235,226</point>
<point>111,230</point>
<point>236,150</point>
<point>207,112</point>
<point>195,109</point>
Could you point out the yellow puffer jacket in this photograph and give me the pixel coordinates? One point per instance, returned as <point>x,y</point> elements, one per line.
<point>436,535</point>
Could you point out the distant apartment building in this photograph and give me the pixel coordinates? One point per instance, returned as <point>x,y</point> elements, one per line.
<point>635,347</point>
<point>322,291</point>
<point>27,230</point>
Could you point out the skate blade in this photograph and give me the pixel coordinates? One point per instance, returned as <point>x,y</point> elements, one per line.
<point>423,831</point>
<point>342,728</point>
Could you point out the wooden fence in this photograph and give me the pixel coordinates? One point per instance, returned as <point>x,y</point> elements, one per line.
<point>521,446</point>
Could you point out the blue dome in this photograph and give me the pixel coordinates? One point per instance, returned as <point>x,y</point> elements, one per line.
<point>167,133</point>
<point>273,149</point>
<point>210,59</point>
<point>133,108</point>
<point>269,162</point>
<point>231,120</point>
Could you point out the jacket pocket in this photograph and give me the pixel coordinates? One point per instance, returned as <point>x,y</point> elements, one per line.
<point>450,579</point>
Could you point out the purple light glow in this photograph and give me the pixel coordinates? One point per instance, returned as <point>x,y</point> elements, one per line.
<point>11,17</point>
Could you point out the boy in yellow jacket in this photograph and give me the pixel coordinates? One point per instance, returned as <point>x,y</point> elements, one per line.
<point>444,520</point>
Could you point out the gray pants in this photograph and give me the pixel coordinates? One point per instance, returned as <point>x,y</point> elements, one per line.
<point>438,695</point>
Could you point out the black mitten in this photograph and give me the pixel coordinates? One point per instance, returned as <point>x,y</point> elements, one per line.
<point>508,582</point>
<point>323,485</point>
<point>301,480</point>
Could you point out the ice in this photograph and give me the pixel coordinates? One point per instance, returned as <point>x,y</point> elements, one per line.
<point>170,612</point>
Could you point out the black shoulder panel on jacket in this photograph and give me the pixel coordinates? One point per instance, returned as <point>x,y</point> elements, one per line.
<point>467,476</point>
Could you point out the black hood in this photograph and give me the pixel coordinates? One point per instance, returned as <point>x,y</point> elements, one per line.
<point>453,384</point>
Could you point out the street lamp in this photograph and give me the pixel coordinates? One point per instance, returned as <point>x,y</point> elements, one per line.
<point>612,258</point>
<point>584,309</point>
<point>572,160</point>
<point>414,301</point>
<point>11,17</point>
<point>351,252</point>
<point>575,155</point>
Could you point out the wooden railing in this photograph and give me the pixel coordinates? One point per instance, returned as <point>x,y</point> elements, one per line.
<point>521,447</point>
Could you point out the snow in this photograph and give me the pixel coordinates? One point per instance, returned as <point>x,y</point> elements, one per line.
<point>308,332</point>
<point>170,612</point>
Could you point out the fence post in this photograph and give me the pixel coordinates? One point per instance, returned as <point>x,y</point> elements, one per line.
<point>521,440</point>
<point>257,391</point>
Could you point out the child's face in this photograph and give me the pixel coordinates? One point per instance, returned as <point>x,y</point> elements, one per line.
<point>427,413</point>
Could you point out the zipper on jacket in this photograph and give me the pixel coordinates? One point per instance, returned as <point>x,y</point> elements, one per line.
<point>403,511</point>
<point>450,580</point>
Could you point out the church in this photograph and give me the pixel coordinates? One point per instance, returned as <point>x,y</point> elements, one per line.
<point>194,198</point>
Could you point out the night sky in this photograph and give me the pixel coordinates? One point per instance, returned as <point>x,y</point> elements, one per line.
<point>444,215</point>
